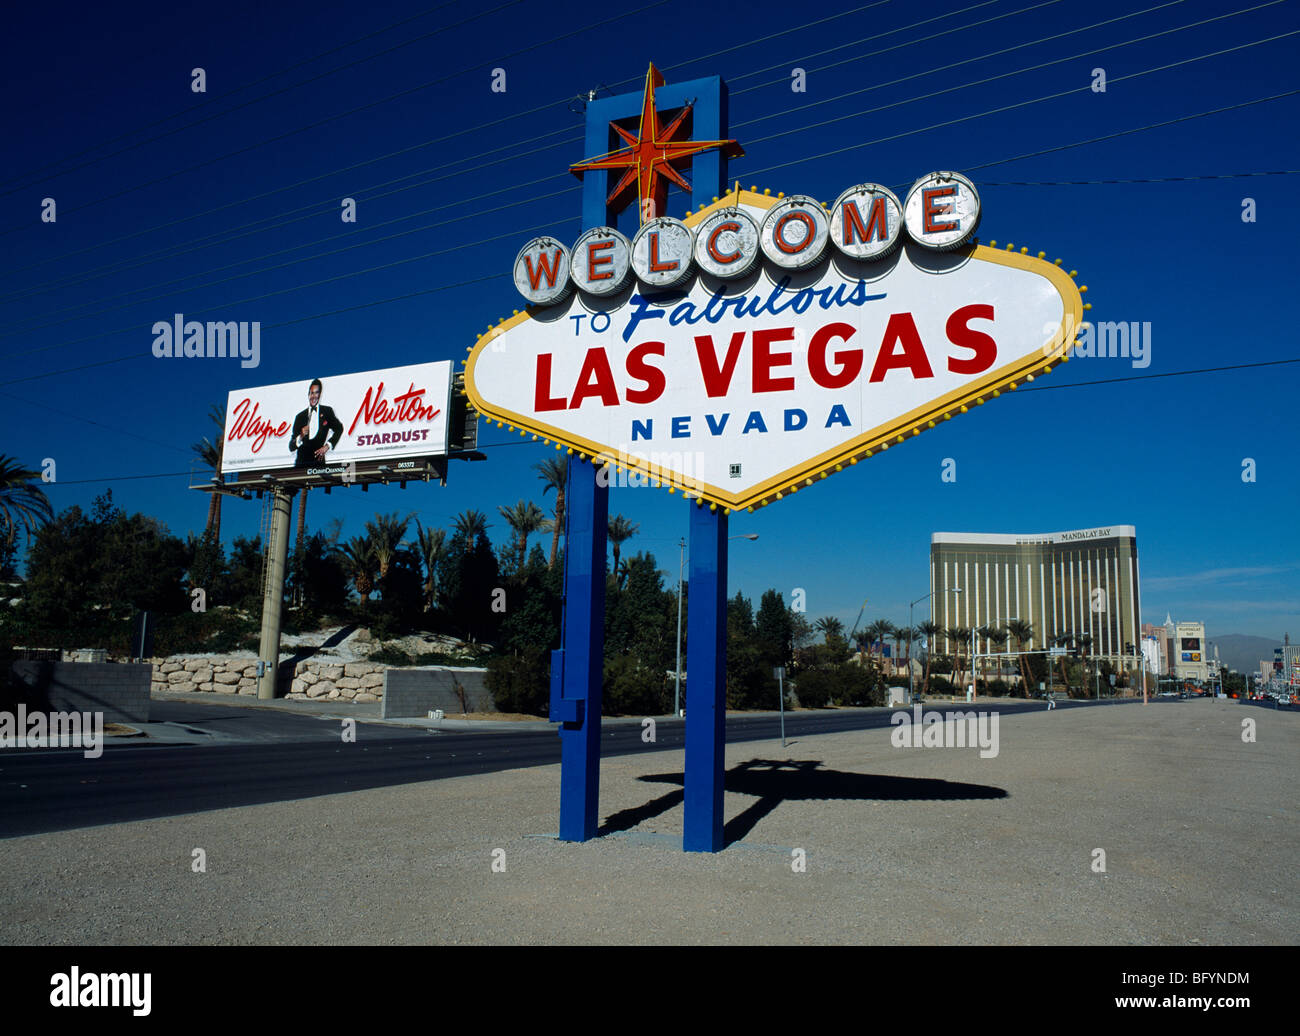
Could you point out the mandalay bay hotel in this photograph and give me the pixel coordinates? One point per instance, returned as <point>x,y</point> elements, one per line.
<point>1079,582</point>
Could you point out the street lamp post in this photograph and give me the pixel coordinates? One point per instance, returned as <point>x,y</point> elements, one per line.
<point>681,568</point>
<point>911,677</point>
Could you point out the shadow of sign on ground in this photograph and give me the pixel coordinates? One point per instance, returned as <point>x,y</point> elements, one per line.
<point>774,781</point>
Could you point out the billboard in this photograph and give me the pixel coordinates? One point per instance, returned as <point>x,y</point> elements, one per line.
<point>1190,643</point>
<point>317,424</point>
<point>739,386</point>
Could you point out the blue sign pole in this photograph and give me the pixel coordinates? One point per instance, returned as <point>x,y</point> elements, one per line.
<point>586,510</point>
<point>706,682</point>
<point>578,668</point>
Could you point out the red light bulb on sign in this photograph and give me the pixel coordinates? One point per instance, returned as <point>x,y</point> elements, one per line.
<point>600,261</point>
<point>661,252</point>
<point>726,244</point>
<point>795,232</point>
<point>942,211</point>
<point>867,222</point>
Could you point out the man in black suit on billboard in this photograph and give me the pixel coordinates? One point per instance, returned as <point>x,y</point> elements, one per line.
<point>311,428</point>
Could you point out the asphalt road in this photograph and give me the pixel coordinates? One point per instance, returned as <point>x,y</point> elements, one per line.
<point>842,838</point>
<point>244,756</point>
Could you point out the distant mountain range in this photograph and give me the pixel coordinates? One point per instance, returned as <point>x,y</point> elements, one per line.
<point>1241,652</point>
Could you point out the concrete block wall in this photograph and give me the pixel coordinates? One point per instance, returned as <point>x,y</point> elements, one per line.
<point>415,691</point>
<point>119,690</point>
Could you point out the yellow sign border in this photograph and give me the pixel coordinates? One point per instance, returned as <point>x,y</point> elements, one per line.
<point>865,445</point>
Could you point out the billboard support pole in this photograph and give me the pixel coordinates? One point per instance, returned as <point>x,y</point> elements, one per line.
<point>277,552</point>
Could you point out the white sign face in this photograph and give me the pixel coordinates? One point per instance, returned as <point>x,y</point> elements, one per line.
<point>741,391</point>
<point>375,415</point>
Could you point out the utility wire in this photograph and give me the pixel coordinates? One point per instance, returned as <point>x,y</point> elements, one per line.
<point>110,267</point>
<point>1167,374</point>
<point>351,111</point>
<point>1149,179</point>
<point>1000,75</point>
<point>1020,104</point>
<point>399,262</point>
<point>984,165</point>
<point>1136,129</point>
<point>1036,388</point>
<point>532,111</point>
<point>245,104</point>
<point>898,46</point>
<point>280,266</point>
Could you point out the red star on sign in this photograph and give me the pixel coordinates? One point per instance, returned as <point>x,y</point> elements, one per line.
<point>652,158</point>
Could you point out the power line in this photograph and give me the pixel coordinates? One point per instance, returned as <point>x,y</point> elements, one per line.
<point>1035,388</point>
<point>351,111</point>
<point>1136,129</point>
<point>108,268</point>
<point>111,267</point>
<point>303,212</point>
<point>1018,104</point>
<point>255,100</point>
<point>285,323</point>
<point>278,266</point>
<point>898,46</point>
<point>1148,179</point>
<point>86,420</point>
<point>1000,75</point>
<point>1166,374</point>
<point>917,75</point>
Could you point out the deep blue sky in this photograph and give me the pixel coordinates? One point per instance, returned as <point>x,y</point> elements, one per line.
<point>1163,454</point>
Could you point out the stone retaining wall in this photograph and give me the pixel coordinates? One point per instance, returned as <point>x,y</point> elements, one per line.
<point>311,678</point>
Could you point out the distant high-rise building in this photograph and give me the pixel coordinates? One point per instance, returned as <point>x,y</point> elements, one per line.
<point>1190,654</point>
<point>1155,644</point>
<point>1081,582</point>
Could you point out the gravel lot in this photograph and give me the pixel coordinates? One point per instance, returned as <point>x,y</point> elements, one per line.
<point>921,846</point>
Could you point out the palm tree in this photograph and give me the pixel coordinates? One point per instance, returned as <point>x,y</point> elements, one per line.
<point>911,633</point>
<point>618,532</point>
<point>829,626</point>
<point>994,637</point>
<point>1021,632</point>
<point>960,635</point>
<point>209,453</point>
<point>524,519</point>
<point>358,557</point>
<point>21,503</point>
<point>1084,642</point>
<point>385,535</point>
<point>899,634</point>
<point>471,524</point>
<point>552,472</point>
<point>879,632</point>
<point>432,546</point>
<point>931,630</point>
<point>1064,640</point>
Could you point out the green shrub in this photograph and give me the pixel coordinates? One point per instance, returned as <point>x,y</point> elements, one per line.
<point>521,682</point>
<point>631,688</point>
<point>814,688</point>
<point>940,685</point>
